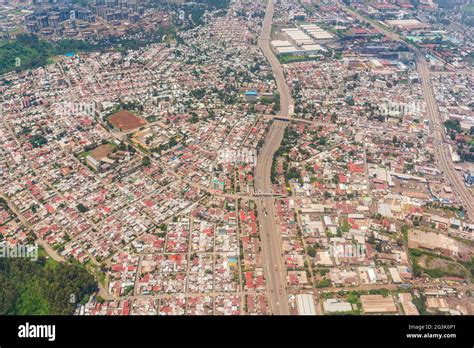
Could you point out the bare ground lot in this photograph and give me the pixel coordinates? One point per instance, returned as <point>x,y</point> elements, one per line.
<point>125,120</point>
<point>102,151</point>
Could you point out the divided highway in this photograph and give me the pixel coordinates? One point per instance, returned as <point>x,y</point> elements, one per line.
<point>442,154</point>
<point>274,263</point>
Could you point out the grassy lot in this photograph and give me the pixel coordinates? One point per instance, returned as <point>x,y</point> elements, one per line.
<point>292,58</point>
<point>50,262</point>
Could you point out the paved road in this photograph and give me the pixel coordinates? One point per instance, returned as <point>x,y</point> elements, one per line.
<point>392,287</point>
<point>272,250</point>
<point>442,154</point>
<point>441,150</point>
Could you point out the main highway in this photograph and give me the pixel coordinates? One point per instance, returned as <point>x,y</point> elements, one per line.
<point>441,150</point>
<point>272,249</point>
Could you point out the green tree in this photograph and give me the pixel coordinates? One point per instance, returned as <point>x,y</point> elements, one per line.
<point>146,161</point>
<point>37,287</point>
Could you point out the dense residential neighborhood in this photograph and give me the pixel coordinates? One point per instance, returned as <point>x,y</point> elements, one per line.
<point>142,165</point>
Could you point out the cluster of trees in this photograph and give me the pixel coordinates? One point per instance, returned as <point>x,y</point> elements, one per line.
<point>293,173</point>
<point>27,51</point>
<point>289,141</point>
<point>197,14</point>
<point>465,147</point>
<point>216,4</point>
<point>146,161</point>
<point>453,125</point>
<point>82,208</point>
<point>42,288</point>
<point>323,283</point>
<point>197,9</point>
<point>198,93</point>
<point>438,273</point>
<point>24,53</point>
<point>469,265</point>
<point>452,269</point>
<point>194,118</point>
<point>163,147</point>
<point>311,250</point>
<point>38,141</point>
<point>420,303</point>
<point>131,105</point>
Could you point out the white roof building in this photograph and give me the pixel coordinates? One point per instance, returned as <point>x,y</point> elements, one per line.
<point>333,306</point>
<point>305,304</point>
<point>281,43</point>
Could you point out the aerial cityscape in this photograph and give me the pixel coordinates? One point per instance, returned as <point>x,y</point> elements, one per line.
<point>236,157</point>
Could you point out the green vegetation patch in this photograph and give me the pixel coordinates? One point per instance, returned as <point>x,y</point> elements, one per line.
<point>293,58</point>
<point>29,52</point>
<point>42,287</point>
<point>435,266</point>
